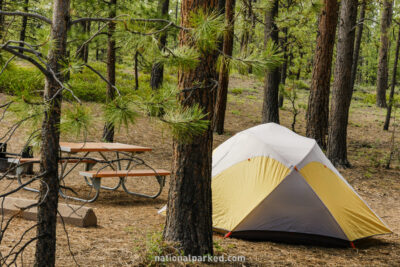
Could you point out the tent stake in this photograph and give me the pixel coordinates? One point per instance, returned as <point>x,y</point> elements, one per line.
<point>228,235</point>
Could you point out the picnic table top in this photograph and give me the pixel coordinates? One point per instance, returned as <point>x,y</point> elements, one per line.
<point>100,147</point>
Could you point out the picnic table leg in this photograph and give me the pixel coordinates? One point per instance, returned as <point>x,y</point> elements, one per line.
<point>105,187</point>
<point>19,171</point>
<point>96,184</point>
<point>161,182</point>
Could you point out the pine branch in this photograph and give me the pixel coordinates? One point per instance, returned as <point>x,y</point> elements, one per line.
<point>8,62</point>
<point>27,58</point>
<point>25,14</point>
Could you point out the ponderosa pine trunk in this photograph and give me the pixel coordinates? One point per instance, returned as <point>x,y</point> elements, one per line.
<point>223,79</point>
<point>270,110</point>
<point>157,71</point>
<point>342,90</point>
<point>393,85</point>
<point>108,132</point>
<point>22,33</point>
<point>47,211</point>
<point>318,101</point>
<point>383,73</point>
<point>189,217</point>
<point>358,43</point>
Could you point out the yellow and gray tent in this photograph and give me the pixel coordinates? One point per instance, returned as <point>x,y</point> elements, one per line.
<point>270,179</point>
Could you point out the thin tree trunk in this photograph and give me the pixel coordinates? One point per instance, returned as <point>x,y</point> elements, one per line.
<point>97,45</point>
<point>342,91</point>
<point>136,70</point>
<point>157,71</point>
<point>391,96</point>
<point>24,25</point>
<point>270,111</point>
<point>383,73</point>
<point>358,43</point>
<point>84,53</point>
<point>223,79</point>
<point>284,65</point>
<point>189,217</point>
<point>47,211</point>
<point>108,132</point>
<point>1,19</point>
<point>318,102</point>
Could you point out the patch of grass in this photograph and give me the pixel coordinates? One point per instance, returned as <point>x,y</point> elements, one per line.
<point>235,112</point>
<point>252,97</point>
<point>237,91</point>
<point>17,80</point>
<point>156,246</point>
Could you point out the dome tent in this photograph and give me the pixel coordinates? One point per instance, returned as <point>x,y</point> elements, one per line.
<point>268,180</point>
<point>271,183</point>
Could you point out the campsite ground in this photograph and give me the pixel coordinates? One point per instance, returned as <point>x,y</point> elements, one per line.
<point>129,228</point>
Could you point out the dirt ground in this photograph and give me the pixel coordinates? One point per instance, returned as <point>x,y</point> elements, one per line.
<point>127,225</point>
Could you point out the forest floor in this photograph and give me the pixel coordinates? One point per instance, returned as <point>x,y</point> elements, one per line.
<point>129,227</point>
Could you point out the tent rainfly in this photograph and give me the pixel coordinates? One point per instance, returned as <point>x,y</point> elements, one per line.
<point>268,181</point>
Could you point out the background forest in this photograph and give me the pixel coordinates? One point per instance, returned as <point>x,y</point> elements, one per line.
<point>183,76</point>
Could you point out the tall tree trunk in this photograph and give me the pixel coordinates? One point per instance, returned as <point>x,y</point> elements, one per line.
<point>189,217</point>
<point>108,132</point>
<point>47,211</point>
<point>22,34</point>
<point>270,111</point>
<point>392,88</point>
<point>318,102</point>
<point>358,43</point>
<point>223,79</point>
<point>157,71</point>
<point>342,90</point>
<point>383,74</point>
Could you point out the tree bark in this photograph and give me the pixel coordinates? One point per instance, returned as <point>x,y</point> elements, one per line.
<point>392,88</point>
<point>223,79</point>
<point>47,211</point>
<point>358,43</point>
<point>189,217</point>
<point>108,132</point>
<point>342,90</point>
<point>157,71</point>
<point>270,111</point>
<point>382,78</point>
<point>318,102</point>
<point>24,25</point>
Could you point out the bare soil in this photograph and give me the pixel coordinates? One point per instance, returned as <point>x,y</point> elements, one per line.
<point>128,225</point>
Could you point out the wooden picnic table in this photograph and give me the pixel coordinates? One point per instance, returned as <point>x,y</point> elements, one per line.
<point>93,178</point>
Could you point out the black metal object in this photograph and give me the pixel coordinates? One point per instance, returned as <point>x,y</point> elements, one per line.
<point>27,152</point>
